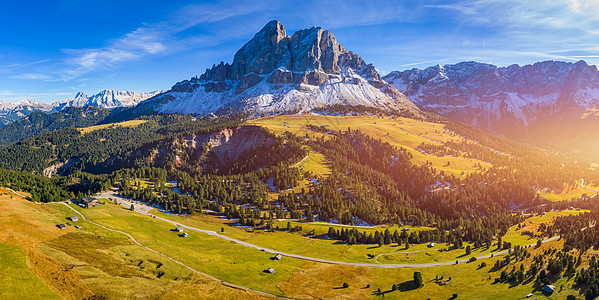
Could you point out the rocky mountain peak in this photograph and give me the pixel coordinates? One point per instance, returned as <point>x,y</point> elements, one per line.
<point>274,72</point>
<point>263,53</point>
<point>312,49</point>
<point>80,95</point>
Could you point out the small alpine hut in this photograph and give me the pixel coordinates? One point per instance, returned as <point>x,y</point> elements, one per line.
<point>549,289</point>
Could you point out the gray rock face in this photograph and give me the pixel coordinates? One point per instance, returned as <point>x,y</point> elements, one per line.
<point>312,49</point>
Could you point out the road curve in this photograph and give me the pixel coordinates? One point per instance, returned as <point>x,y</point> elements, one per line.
<point>326,261</point>
<point>172,259</point>
<point>586,188</point>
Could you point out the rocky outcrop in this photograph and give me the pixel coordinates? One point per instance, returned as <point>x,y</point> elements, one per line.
<point>58,169</point>
<point>229,143</point>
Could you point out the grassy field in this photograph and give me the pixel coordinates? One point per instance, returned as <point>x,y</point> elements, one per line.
<point>569,192</point>
<point>44,262</point>
<point>299,243</point>
<point>130,123</point>
<point>316,163</point>
<point>304,279</point>
<point>94,261</point>
<point>400,132</point>
<point>17,281</point>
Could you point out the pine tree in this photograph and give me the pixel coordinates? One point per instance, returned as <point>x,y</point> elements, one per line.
<point>418,281</point>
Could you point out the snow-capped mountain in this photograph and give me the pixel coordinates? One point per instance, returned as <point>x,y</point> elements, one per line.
<point>510,100</point>
<point>274,72</point>
<point>106,99</point>
<point>10,112</point>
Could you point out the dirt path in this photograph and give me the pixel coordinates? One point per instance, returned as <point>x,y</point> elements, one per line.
<point>16,193</point>
<point>172,259</point>
<point>299,162</point>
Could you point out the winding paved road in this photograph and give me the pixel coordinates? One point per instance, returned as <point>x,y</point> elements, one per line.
<point>139,207</point>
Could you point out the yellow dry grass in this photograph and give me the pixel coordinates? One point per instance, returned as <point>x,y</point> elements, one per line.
<point>45,262</point>
<point>130,123</point>
<point>399,132</point>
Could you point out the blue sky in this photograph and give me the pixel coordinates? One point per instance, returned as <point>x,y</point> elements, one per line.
<point>50,50</point>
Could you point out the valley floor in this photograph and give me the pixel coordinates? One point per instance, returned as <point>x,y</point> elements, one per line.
<point>110,256</point>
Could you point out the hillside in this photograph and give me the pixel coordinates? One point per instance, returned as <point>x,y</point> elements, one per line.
<point>274,72</point>
<point>41,122</point>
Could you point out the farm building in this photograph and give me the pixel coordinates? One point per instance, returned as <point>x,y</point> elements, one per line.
<point>278,257</point>
<point>269,270</point>
<point>74,218</point>
<point>549,289</point>
<point>87,202</point>
<point>179,229</point>
<point>61,226</point>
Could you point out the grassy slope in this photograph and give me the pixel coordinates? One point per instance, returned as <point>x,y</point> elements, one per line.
<point>130,123</point>
<point>316,163</point>
<point>78,263</point>
<point>400,132</point>
<point>18,281</point>
<point>568,193</point>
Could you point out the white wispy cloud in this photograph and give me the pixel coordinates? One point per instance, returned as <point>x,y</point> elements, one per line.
<point>16,96</point>
<point>149,39</point>
<point>543,28</point>
<point>31,76</point>
<point>23,65</point>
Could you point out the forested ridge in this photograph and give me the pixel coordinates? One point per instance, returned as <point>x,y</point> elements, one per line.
<point>40,122</point>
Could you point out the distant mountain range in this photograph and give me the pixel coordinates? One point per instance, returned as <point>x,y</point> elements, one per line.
<point>10,112</point>
<point>514,100</point>
<point>274,72</point>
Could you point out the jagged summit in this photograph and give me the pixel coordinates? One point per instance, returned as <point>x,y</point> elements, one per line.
<point>312,49</point>
<point>274,72</point>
